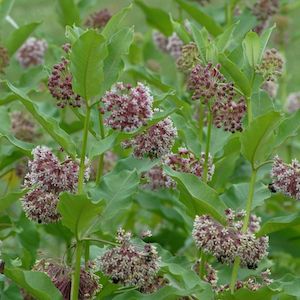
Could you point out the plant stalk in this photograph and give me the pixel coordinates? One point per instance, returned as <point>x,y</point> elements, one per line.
<point>101,156</point>
<point>83,150</point>
<point>207,147</point>
<point>76,272</point>
<point>201,122</point>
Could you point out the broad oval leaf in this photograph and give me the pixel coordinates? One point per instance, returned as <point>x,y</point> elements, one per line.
<point>68,12</point>
<point>10,198</point>
<point>87,56</point>
<point>252,48</point>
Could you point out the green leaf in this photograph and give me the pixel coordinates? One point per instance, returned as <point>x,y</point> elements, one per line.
<point>201,39</point>
<point>264,39</point>
<point>201,17</point>
<point>225,38</point>
<point>200,198</point>
<point>19,36</point>
<point>117,48</point>
<point>49,124</point>
<point>5,8</point>
<point>87,56</point>
<point>236,74</point>
<point>79,213</point>
<point>279,223</point>
<point>37,284</point>
<point>157,18</point>
<point>10,198</point>
<point>251,45</point>
<point>73,33</point>
<point>114,24</point>
<point>258,139</point>
<point>68,12</point>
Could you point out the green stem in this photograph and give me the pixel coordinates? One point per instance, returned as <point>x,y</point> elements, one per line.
<point>236,264</point>
<point>76,272</point>
<point>249,110</point>
<point>86,255</point>
<point>83,150</point>
<point>201,122</point>
<point>101,156</point>
<point>202,265</point>
<point>208,138</point>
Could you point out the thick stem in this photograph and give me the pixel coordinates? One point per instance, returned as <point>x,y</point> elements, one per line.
<point>86,254</point>
<point>207,147</point>
<point>101,157</point>
<point>201,122</point>
<point>76,272</point>
<point>249,110</point>
<point>83,150</point>
<point>236,264</point>
<point>202,265</point>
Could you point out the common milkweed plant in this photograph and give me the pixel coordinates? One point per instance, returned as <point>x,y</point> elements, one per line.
<point>149,151</point>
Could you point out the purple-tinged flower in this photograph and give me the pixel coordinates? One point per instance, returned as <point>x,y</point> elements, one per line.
<point>157,179</point>
<point>154,142</point>
<point>22,127</point>
<point>131,265</point>
<point>271,87</point>
<point>228,114</point>
<point>293,102</point>
<point>211,274</point>
<point>4,59</point>
<point>128,107</point>
<point>286,177</point>
<point>60,85</point>
<point>66,47</point>
<point>61,276</point>
<point>271,67</point>
<point>40,206</point>
<point>189,58</point>
<point>174,46</point>
<point>186,162</point>
<point>32,52</point>
<point>160,41</point>
<point>98,19</point>
<point>228,242</point>
<point>207,83</point>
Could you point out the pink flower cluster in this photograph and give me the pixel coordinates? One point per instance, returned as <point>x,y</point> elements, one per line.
<point>154,142</point>
<point>98,19</point>
<point>131,265</point>
<point>128,107</point>
<point>32,52</point>
<point>186,162</point>
<point>157,179</point>
<point>286,177</point>
<point>61,276</point>
<point>48,177</point>
<point>228,242</point>
<point>60,85</point>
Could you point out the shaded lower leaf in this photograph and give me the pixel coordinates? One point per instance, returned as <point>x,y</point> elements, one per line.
<point>9,199</point>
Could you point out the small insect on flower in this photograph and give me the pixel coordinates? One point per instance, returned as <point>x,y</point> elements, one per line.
<point>61,276</point>
<point>127,108</point>
<point>60,84</point>
<point>32,52</point>
<point>154,142</point>
<point>98,19</point>
<point>286,177</point>
<point>4,59</point>
<point>132,265</point>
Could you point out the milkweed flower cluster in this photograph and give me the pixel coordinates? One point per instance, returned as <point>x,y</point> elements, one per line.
<point>264,10</point>
<point>157,179</point>
<point>32,52</point>
<point>98,19</point>
<point>171,45</point>
<point>48,177</point>
<point>293,102</point>
<point>22,126</point>
<point>61,276</point>
<point>271,87</point>
<point>131,265</point>
<point>154,142</point>
<point>271,67</point>
<point>186,162</point>
<point>226,243</point>
<point>286,177</point>
<point>60,85</point>
<point>4,59</point>
<point>189,58</point>
<point>128,107</point>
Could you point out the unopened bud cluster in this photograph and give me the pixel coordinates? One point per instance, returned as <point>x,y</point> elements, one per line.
<point>286,177</point>
<point>4,59</point>
<point>32,52</point>
<point>132,265</point>
<point>98,19</point>
<point>189,58</point>
<point>47,177</point>
<point>226,243</point>
<point>185,161</point>
<point>61,276</point>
